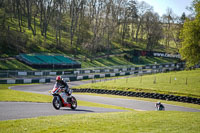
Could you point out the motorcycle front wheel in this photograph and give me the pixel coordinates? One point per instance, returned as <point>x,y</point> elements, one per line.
<point>56,103</point>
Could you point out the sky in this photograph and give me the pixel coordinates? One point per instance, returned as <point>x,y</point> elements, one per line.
<point>177,6</point>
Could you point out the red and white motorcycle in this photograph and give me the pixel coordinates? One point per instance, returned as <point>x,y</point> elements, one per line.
<point>61,99</point>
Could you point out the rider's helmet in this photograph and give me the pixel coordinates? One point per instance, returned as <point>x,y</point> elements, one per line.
<point>58,79</point>
<point>158,102</point>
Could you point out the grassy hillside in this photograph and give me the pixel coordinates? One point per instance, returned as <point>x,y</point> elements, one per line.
<point>117,61</point>
<point>15,40</point>
<point>14,64</point>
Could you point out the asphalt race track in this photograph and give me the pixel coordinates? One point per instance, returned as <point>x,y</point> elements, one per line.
<point>19,110</point>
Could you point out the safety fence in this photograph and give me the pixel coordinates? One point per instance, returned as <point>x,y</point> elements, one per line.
<point>25,81</point>
<point>79,77</point>
<point>159,67</point>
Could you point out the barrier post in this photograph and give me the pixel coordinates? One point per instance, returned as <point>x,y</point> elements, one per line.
<point>154,80</point>
<point>186,81</point>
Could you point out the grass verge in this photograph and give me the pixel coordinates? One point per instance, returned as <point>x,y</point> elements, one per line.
<point>183,83</point>
<point>19,96</point>
<point>151,122</point>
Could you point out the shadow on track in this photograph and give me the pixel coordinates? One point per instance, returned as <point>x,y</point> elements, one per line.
<point>79,110</point>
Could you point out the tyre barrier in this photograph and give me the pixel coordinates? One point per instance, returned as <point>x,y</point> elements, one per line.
<point>141,94</point>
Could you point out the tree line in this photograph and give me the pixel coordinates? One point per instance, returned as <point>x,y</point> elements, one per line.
<point>92,26</point>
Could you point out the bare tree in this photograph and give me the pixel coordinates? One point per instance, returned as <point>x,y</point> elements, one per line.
<point>153,29</point>
<point>142,9</point>
<point>167,22</point>
<point>133,16</point>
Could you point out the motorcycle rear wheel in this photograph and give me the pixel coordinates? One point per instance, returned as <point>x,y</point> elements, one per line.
<point>73,103</point>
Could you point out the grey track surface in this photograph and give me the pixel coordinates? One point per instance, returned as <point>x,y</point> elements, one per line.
<point>17,110</point>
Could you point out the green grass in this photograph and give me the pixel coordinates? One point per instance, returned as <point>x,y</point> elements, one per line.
<point>184,83</point>
<point>152,60</point>
<point>103,62</point>
<point>13,64</point>
<point>119,60</point>
<point>134,121</point>
<point>130,122</point>
<point>19,96</point>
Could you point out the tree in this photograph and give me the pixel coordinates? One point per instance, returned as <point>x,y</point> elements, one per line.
<point>190,38</point>
<point>182,18</point>
<point>153,29</point>
<point>168,21</point>
<point>142,8</point>
<point>133,11</point>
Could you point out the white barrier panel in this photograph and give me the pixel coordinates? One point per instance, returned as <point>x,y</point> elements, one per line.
<point>66,79</point>
<point>76,72</point>
<point>140,72</point>
<point>42,80</point>
<point>124,69</point>
<point>166,65</point>
<point>160,66</point>
<point>122,74</point>
<point>147,67</point>
<point>87,71</point>
<point>11,81</point>
<point>107,70</point>
<point>154,67</point>
<point>131,73</point>
<point>173,65</point>
<point>116,70</point>
<point>148,71</point>
<point>38,73</point>
<point>90,76</point>
<point>140,68</point>
<point>22,73</point>
<point>102,75</point>
<point>79,77</point>
<point>132,68</point>
<point>27,80</point>
<point>52,73</point>
<point>112,74</point>
<point>97,71</point>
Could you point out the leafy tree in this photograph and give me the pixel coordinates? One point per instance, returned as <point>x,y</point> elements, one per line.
<point>190,35</point>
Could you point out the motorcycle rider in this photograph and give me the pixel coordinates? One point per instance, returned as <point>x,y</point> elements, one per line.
<point>159,106</point>
<point>62,84</point>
